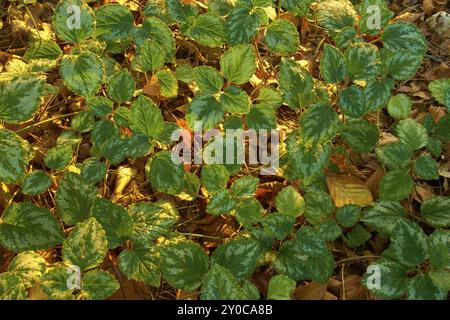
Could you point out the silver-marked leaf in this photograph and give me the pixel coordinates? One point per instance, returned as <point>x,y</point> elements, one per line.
<point>396,186</point>
<point>412,134</point>
<point>208,79</point>
<point>215,177</point>
<point>44,49</point>
<point>394,280</point>
<point>383,216</point>
<point>244,186</point>
<point>239,256</point>
<point>86,245</point>
<point>282,37</point>
<point>289,201</point>
<point>400,64</point>
<point>409,243</point>
<point>235,100</point>
<point>20,98</point>
<point>29,266</point>
<point>404,36</point>
<point>395,155</point>
<point>168,85</point>
<point>281,287</point>
<point>362,61</point>
<point>179,11</point>
<point>249,212</point>
<point>98,285</point>
<point>165,175</point>
<point>146,117</point>
<point>319,124</point>
<point>440,89</point>
<point>436,211</point>
<point>422,287</point>
<point>184,265</point>
<point>332,64</point>
<point>73,21</point>
<point>142,262</point>
<point>335,15</point>
<point>238,64</point>
<point>113,22</point>
<point>25,226</point>
<point>12,287</point>
<point>74,198</point>
<point>360,135</point>
<point>299,8</point>
<point>426,168</point>
<point>120,87</point>
<point>36,182</point>
<point>205,109</point>
<point>375,15</point>
<point>83,73</point>
<point>221,203</point>
<point>16,153</point>
<point>399,106</point>
<point>241,26</point>
<point>114,219</point>
<point>261,117</point>
<point>296,84</point>
<point>208,30</point>
<point>54,284</point>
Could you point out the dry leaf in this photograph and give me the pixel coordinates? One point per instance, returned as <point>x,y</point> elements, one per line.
<point>346,189</point>
<point>353,288</point>
<point>428,6</point>
<point>311,291</point>
<point>373,183</point>
<point>152,88</point>
<point>424,193</point>
<point>408,17</point>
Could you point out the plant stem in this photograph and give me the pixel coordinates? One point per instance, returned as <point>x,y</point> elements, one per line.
<point>46,121</point>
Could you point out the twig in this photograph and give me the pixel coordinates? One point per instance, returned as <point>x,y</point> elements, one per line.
<point>46,121</point>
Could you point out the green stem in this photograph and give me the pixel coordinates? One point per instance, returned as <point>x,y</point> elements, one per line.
<point>46,121</point>
<point>199,235</point>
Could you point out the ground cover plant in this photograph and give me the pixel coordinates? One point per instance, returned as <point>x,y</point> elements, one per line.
<point>93,205</point>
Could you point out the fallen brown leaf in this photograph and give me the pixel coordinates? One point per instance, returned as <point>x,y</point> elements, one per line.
<point>346,189</point>
<point>311,291</point>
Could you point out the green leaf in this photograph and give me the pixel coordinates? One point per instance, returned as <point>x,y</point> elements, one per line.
<point>441,278</point>
<point>93,170</point>
<point>157,34</point>
<point>168,84</point>
<point>332,65</point>
<point>12,287</point>
<point>86,245</point>
<point>120,87</point>
<point>114,219</point>
<point>215,177</point>
<point>296,84</point>
<point>142,262</point>
<point>235,100</point>
<point>244,186</point>
<point>377,94</point>
<point>329,230</point>
<point>221,203</point>
<point>319,124</point>
<point>281,287</point>
<point>404,36</point>
<point>412,134</point>
<point>220,284</point>
<point>261,117</point>
<point>83,73</point>
<point>29,266</point>
<point>153,220</point>
<point>54,284</point>
<point>36,182</point>
<point>409,243</point>
<point>351,102</point>
<point>357,237</point>
<point>58,157</point>
<point>289,201</point>
<point>335,15</point>
<point>149,57</point>
<point>180,12</point>
<point>344,37</point>
<point>20,98</point>
<point>278,225</point>
<point>299,8</point>
<point>396,186</point>
<point>146,117</point>
<point>392,279</point>
<point>270,97</point>
<point>16,155</point>
<point>165,175</point>
<point>209,30</point>
<point>204,109</point>
<point>319,206</point>
<point>291,261</point>
<point>24,226</point>
<point>440,90</point>
<point>348,215</point>
<point>362,61</point>
<point>239,256</point>
<point>100,106</point>
<point>399,106</point>
<point>443,128</point>
<point>282,37</point>
<point>383,216</point>
<point>375,15</point>
<point>83,122</point>
<point>426,168</point>
<point>238,64</point>
<point>98,285</point>
<point>248,212</point>
<point>208,80</point>
<point>184,265</point>
<point>113,22</point>
<point>422,287</point>
<point>43,49</point>
<point>221,7</point>
<point>360,135</point>
<point>436,211</point>
<point>73,21</point>
<point>395,155</point>
<point>184,73</point>
<point>400,64</point>
<point>241,26</point>
<point>74,198</point>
